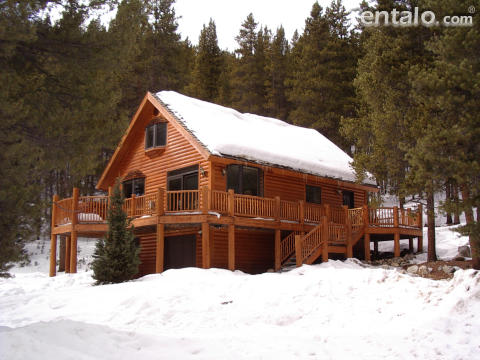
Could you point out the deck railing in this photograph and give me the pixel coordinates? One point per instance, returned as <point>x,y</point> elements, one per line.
<point>287,246</point>
<point>88,209</point>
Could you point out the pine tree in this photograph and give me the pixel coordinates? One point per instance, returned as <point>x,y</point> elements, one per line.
<point>208,65</point>
<point>116,257</point>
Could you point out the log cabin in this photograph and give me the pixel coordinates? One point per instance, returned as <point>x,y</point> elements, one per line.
<point>207,186</point>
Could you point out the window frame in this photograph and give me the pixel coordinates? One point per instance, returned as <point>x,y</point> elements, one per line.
<point>181,174</point>
<point>156,125</point>
<point>132,181</point>
<point>241,190</point>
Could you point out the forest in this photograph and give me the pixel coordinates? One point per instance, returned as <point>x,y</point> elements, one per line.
<point>402,101</point>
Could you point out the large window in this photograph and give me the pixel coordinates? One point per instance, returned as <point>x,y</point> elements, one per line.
<point>244,180</point>
<point>156,135</point>
<point>313,194</point>
<point>134,186</point>
<point>183,179</point>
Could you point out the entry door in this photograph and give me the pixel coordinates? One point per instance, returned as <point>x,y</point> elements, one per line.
<point>348,199</point>
<point>180,251</point>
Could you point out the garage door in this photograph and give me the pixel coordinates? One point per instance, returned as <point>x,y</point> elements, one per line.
<point>180,251</point>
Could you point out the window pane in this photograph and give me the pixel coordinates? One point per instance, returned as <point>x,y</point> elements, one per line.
<point>139,187</point>
<point>161,136</point>
<point>250,181</point>
<point>127,188</point>
<point>149,137</point>
<point>233,178</point>
<point>313,194</point>
<point>190,182</point>
<point>175,184</point>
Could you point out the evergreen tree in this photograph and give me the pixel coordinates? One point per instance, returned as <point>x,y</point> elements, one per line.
<point>277,67</point>
<point>324,62</point>
<point>116,257</point>
<point>208,65</point>
<point>248,78</point>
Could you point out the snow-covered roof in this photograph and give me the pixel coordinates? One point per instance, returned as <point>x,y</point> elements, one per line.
<point>227,132</point>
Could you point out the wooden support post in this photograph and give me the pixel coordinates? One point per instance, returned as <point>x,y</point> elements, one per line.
<point>53,238</point>
<point>410,245</point>
<point>133,208</point>
<point>278,250</point>
<point>420,217</point>
<point>396,245</point>
<point>68,247</point>
<point>365,216</point>
<point>206,251</point>
<point>409,217</point>
<point>298,250</point>
<point>231,247</point>
<point>205,200</point>
<point>278,209</point>
<point>160,202</point>
<point>160,248</point>
<point>420,244</point>
<point>231,202</point>
<point>301,211</point>
<point>375,247</point>
<point>366,245</point>
<point>325,239</point>
<point>61,253</point>
<point>328,213</point>
<point>73,253</point>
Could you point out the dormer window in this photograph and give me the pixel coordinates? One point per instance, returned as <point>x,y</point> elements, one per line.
<point>156,135</point>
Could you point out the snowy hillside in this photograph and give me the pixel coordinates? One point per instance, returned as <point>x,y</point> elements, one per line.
<point>337,310</point>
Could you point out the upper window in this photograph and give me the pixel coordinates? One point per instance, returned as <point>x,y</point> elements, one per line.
<point>156,135</point>
<point>313,194</point>
<point>134,186</point>
<point>244,180</point>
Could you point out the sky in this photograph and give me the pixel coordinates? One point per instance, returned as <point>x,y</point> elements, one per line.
<point>230,14</point>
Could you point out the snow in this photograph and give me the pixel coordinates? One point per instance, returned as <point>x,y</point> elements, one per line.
<point>225,131</point>
<point>336,310</point>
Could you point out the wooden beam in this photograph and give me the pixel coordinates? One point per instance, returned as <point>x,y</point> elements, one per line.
<point>396,244</point>
<point>53,239</point>
<point>410,245</point>
<point>205,200</point>
<point>231,247</point>
<point>298,250</point>
<point>160,248</point>
<point>325,239</point>
<point>366,245</point>
<point>206,251</point>
<point>68,247</point>
<point>61,253</point>
<point>420,244</point>
<point>160,202</point>
<point>73,253</point>
<point>278,250</point>
<point>348,233</point>
<point>375,247</point>
<point>231,202</point>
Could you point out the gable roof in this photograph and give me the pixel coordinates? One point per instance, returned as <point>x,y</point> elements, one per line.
<point>227,132</point>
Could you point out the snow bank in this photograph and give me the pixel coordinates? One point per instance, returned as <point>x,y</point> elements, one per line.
<point>336,310</point>
<point>225,131</point>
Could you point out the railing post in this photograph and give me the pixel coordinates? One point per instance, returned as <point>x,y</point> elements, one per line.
<point>328,213</point>
<point>395,216</point>
<point>205,200</point>
<point>278,250</point>
<point>230,202</point>
<point>301,211</point>
<point>278,208</point>
<point>409,216</point>
<point>133,208</point>
<point>73,248</point>
<point>53,239</point>
<point>348,233</point>
<point>420,216</point>
<point>160,204</point>
<point>365,216</point>
<point>325,239</point>
<point>298,250</point>
<point>110,191</point>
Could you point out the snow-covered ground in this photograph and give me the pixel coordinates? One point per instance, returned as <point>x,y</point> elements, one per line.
<point>337,310</point>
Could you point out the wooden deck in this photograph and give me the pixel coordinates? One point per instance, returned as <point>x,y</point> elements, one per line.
<point>315,230</point>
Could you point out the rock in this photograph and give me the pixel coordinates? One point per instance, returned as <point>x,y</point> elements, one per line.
<point>395,264</point>
<point>409,257</point>
<point>464,251</point>
<point>412,269</point>
<point>448,269</point>
<point>423,270</point>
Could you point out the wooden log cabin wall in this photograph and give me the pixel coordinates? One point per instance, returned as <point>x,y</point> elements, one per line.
<point>185,214</point>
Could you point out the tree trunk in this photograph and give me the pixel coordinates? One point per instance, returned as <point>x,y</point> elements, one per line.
<point>448,197</point>
<point>473,236</point>
<point>401,200</point>
<point>432,254</point>
<point>456,217</point>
